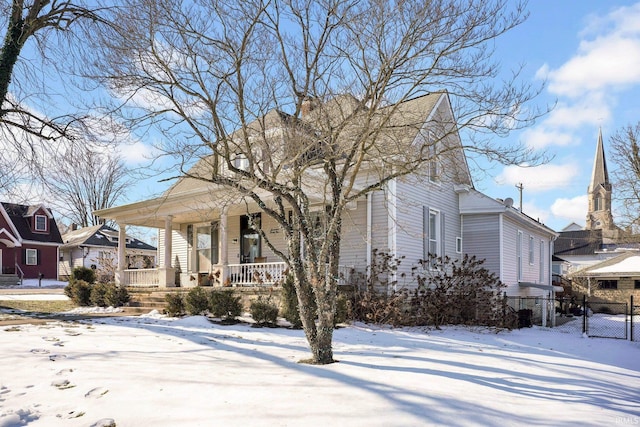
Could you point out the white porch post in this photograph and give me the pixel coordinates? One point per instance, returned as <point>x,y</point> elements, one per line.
<point>224,256</point>
<point>122,255</point>
<point>167,273</point>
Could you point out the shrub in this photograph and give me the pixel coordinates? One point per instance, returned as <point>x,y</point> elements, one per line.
<point>83,273</point>
<point>225,304</point>
<point>116,296</point>
<point>264,312</point>
<point>79,291</point>
<point>175,304</point>
<point>290,303</point>
<point>197,301</point>
<point>98,292</point>
<point>342,310</point>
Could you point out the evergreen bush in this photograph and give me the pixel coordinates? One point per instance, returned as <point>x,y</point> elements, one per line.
<point>83,273</point>
<point>264,312</point>
<point>225,304</point>
<point>97,295</point>
<point>290,302</point>
<point>175,304</point>
<point>197,301</point>
<point>116,296</point>
<point>79,292</point>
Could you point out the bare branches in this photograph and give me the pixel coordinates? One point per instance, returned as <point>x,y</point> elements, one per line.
<point>625,153</point>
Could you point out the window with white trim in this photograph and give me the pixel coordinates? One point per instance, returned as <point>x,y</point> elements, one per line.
<point>541,261</point>
<point>519,255</point>
<point>434,173</point>
<point>31,256</point>
<point>531,250</point>
<point>432,234</point>
<point>41,223</point>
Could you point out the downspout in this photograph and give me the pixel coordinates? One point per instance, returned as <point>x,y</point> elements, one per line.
<point>550,282</point>
<point>501,245</point>
<point>369,231</point>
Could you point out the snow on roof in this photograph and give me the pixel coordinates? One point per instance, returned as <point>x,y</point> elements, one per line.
<point>630,265</point>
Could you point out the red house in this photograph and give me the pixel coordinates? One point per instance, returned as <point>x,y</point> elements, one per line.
<point>29,241</point>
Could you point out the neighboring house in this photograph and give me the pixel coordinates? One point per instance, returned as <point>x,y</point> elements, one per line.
<point>515,247</point>
<point>96,247</point>
<point>612,280</point>
<point>29,241</point>
<point>203,238</point>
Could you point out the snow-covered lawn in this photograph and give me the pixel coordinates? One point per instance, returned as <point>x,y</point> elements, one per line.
<point>158,371</point>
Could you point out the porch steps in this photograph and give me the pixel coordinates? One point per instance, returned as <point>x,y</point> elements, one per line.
<point>9,280</point>
<point>144,300</point>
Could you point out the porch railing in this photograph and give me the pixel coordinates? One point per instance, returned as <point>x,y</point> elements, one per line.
<point>256,274</point>
<point>142,277</point>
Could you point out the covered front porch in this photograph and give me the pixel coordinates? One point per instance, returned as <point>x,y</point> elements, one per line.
<point>203,241</point>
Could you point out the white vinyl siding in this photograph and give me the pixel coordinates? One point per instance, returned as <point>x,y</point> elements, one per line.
<point>481,237</point>
<point>353,245</point>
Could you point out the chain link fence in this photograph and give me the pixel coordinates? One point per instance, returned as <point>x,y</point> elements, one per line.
<point>607,320</point>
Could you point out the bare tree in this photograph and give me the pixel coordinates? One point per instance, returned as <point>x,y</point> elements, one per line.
<point>332,77</point>
<point>625,154</point>
<point>84,180</point>
<point>33,75</point>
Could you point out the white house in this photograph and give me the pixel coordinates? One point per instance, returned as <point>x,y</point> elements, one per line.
<point>205,232</point>
<point>96,247</point>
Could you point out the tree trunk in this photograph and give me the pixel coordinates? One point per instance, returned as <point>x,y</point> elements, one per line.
<point>9,56</point>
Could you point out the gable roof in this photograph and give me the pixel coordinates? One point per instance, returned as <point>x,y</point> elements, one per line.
<point>18,217</point>
<point>98,235</point>
<point>578,242</point>
<point>625,264</point>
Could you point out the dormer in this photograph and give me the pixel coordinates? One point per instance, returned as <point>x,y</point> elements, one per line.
<point>39,219</point>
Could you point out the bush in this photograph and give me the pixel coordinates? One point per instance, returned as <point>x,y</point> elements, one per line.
<point>197,301</point>
<point>225,304</point>
<point>264,312</point>
<point>79,291</point>
<point>290,303</point>
<point>444,291</point>
<point>342,310</point>
<point>98,292</point>
<point>83,273</point>
<point>108,295</point>
<point>116,296</point>
<point>175,304</point>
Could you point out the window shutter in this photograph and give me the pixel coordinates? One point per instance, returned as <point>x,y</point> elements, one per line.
<point>425,233</point>
<point>38,256</point>
<point>442,241</point>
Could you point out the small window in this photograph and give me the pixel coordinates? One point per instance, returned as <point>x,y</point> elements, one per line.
<point>607,284</point>
<point>41,223</point>
<point>459,245</point>
<point>31,256</point>
<point>531,250</point>
<point>636,284</point>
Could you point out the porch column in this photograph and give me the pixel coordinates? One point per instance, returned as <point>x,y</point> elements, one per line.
<point>122,255</point>
<point>224,244</point>
<point>166,272</point>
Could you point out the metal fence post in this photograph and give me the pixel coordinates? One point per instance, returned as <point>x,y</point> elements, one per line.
<point>631,312</point>
<point>584,314</point>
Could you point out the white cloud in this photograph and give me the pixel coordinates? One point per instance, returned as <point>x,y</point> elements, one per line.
<point>608,61</point>
<point>534,211</point>
<point>540,178</point>
<point>539,138</point>
<point>137,153</point>
<point>590,109</point>
<point>574,209</point>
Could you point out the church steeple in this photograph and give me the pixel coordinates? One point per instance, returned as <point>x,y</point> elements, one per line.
<point>599,216</point>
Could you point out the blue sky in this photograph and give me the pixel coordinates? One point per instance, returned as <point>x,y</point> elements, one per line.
<point>588,52</point>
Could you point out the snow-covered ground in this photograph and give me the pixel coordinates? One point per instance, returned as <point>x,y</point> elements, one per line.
<point>157,371</point>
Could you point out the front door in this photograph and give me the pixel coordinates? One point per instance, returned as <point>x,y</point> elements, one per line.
<point>250,246</point>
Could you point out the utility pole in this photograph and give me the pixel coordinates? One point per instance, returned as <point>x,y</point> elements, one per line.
<point>519,186</point>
